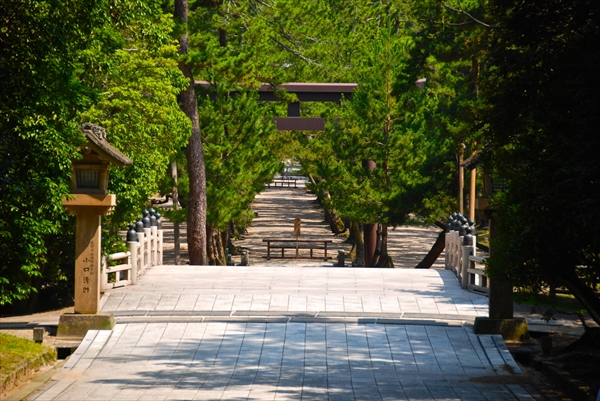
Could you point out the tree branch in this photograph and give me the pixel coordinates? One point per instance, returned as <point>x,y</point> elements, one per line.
<point>295,52</point>
<point>463,12</point>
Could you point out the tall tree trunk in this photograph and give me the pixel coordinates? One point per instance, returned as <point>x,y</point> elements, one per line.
<point>377,254</point>
<point>225,244</point>
<point>348,223</point>
<point>359,244</point>
<point>210,251</point>
<point>196,224</point>
<point>434,252</point>
<point>220,248</point>
<point>175,198</point>
<point>335,222</point>
<point>584,294</point>
<point>385,260</point>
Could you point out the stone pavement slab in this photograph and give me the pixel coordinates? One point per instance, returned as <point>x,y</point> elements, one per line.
<point>268,333</point>
<point>326,292</point>
<point>263,361</point>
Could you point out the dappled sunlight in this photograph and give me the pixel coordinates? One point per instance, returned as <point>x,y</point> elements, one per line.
<point>271,361</point>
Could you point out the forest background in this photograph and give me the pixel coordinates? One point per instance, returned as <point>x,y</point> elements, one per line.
<point>514,80</point>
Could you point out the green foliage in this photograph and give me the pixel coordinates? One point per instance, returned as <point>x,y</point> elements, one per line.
<point>543,113</point>
<point>386,121</point>
<point>107,62</point>
<point>114,63</point>
<point>239,152</point>
<point>138,108</point>
<point>40,42</point>
<point>229,47</point>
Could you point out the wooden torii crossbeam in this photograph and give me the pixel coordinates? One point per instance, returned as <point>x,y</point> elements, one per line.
<point>306,92</point>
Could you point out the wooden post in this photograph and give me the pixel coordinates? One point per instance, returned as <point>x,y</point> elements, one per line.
<point>89,201</point>
<point>461,180</point>
<point>464,275</point>
<point>88,210</point>
<point>38,334</point>
<point>468,249</point>
<point>147,247</point>
<point>160,247</point>
<point>154,257</point>
<point>87,263</point>
<point>142,250</point>
<point>472,194</point>
<point>133,260</point>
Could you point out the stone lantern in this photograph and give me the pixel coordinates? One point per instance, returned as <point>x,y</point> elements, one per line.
<point>89,201</point>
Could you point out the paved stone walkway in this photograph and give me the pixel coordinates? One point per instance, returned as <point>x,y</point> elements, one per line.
<point>261,361</point>
<point>276,209</point>
<point>293,329</point>
<point>272,333</point>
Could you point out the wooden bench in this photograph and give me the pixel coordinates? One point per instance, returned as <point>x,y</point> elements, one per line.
<point>283,182</point>
<point>296,245</point>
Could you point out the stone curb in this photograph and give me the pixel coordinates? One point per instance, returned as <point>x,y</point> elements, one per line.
<point>36,383</point>
<point>128,314</point>
<point>27,367</point>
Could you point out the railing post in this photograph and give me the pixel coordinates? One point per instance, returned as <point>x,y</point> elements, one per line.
<point>447,250</point>
<point>154,245</point>
<point>462,231</point>
<point>467,250</point>
<point>104,276</point>
<point>160,247</point>
<point>464,276</point>
<point>447,244</point>
<point>139,228</point>
<point>133,244</point>
<point>455,241</point>
<point>159,239</point>
<point>147,241</point>
<point>456,254</point>
<point>133,260</point>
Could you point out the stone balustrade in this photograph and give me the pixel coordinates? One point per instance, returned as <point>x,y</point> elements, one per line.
<point>145,243</point>
<point>461,256</point>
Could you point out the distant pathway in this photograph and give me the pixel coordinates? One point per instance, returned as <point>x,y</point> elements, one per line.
<point>276,209</point>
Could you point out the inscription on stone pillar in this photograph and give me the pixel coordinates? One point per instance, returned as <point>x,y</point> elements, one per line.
<point>87,264</point>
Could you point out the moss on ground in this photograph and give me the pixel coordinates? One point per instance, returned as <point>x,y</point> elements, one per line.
<point>15,352</point>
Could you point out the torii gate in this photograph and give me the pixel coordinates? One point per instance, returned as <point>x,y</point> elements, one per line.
<point>306,92</point>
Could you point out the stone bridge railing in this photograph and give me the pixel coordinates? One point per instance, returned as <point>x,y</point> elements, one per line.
<point>145,243</point>
<point>461,258</point>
